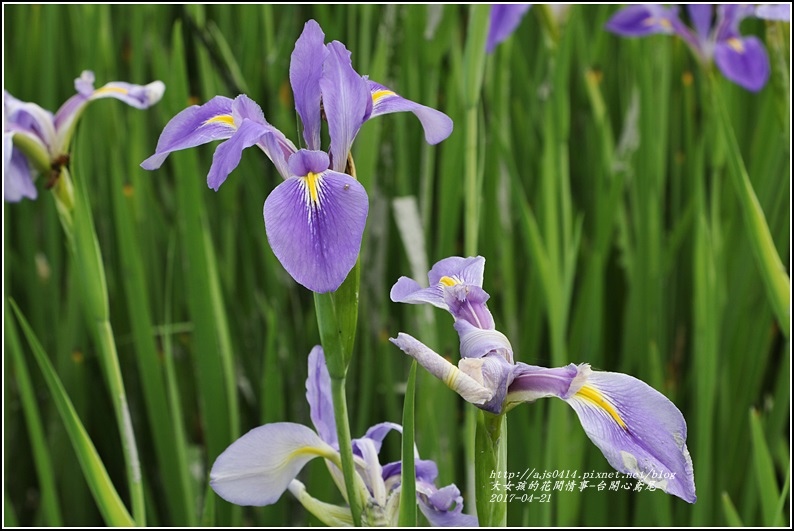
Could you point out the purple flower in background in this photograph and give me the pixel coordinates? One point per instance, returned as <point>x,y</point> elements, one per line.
<point>714,35</point>
<point>781,12</point>
<point>262,464</point>
<point>504,21</point>
<point>315,218</point>
<point>33,136</point>
<point>639,431</point>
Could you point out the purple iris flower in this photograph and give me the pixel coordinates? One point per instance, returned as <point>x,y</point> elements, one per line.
<point>639,431</point>
<point>781,12</point>
<point>504,20</point>
<point>33,136</point>
<point>258,467</point>
<point>714,35</point>
<point>315,218</point>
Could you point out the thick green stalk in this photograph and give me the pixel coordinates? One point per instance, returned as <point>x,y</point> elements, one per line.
<point>337,313</point>
<point>88,259</point>
<point>491,469</point>
<point>776,280</point>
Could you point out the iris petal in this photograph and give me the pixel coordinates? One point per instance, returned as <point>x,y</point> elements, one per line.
<point>227,155</point>
<point>743,60</point>
<point>503,22</point>
<point>317,242</point>
<point>454,378</point>
<point>443,507</point>
<point>138,96</point>
<point>408,291</point>
<point>31,120</point>
<point>305,72</point>
<point>257,468</point>
<point>318,395</point>
<point>346,100</point>
<point>192,127</point>
<point>462,270</point>
<point>17,181</point>
<point>639,431</point>
<point>641,20</point>
<point>436,124</point>
<point>780,12</point>
<point>701,14</point>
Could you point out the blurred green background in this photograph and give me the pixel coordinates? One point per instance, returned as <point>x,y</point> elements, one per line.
<point>610,225</point>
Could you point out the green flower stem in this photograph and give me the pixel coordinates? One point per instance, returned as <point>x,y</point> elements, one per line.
<point>354,498</point>
<point>337,313</point>
<point>491,469</point>
<point>773,273</point>
<point>75,213</point>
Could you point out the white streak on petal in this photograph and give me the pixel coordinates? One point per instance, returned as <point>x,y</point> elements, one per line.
<point>454,378</point>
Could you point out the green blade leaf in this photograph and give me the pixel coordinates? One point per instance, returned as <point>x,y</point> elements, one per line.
<point>110,505</point>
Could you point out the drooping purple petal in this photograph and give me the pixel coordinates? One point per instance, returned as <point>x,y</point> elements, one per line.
<point>639,431</point>
<point>780,12</point>
<point>17,181</point>
<point>443,507</point>
<point>436,124</point>
<point>227,155</point>
<point>192,127</point>
<point>651,445</point>
<point>276,146</point>
<point>305,72</point>
<point>315,224</point>
<point>743,61</point>
<point>503,22</point>
<point>409,291</point>
<point>641,20</point>
<point>700,15</point>
<point>257,468</point>
<point>346,101</point>
<point>29,119</point>
<point>318,395</point>
<point>138,96</point>
<point>456,379</point>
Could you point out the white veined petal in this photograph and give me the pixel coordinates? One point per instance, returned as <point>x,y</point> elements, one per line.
<point>257,468</point>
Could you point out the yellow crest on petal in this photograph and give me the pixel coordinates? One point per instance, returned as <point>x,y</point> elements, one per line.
<point>594,396</point>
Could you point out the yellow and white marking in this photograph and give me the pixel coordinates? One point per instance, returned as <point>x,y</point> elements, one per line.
<point>594,397</point>
<point>380,94</point>
<point>225,119</point>
<point>312,189</point>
